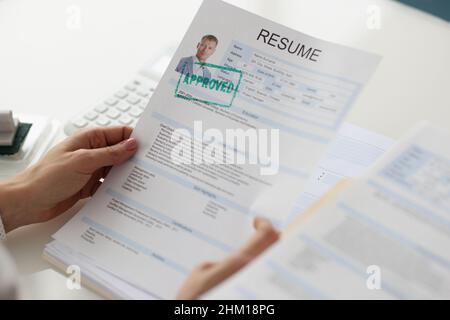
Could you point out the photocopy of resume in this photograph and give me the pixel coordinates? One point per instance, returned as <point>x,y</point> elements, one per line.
<point>385,236</point>
<point>353,150</point>
<point>234,129</point>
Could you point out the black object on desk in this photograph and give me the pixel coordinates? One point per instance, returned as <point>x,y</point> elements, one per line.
<point>19,138</point>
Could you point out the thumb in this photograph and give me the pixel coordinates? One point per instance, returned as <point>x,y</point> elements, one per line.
<point>94,159</point>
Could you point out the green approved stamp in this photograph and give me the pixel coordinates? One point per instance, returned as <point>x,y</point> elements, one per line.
<point>219,90</point>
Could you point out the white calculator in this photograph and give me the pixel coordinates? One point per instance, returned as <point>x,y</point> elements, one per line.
<point>126,105</point>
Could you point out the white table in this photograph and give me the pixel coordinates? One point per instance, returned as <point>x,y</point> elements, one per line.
<point>50,64</point>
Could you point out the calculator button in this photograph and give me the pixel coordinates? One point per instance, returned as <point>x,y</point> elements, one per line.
<point>91,116</point>
<point>133,100</point>
<point>123,106</point>
<point>80,123</point>
<point>130,87</point>
<point>102,121</point>
<point>143,94</point>
<point>135,112</point>
<point>125,119</point>
<point>101,108</point>
<point>121,94</point>
<point>111,101</point>
<point>142,104</point>
<point>113,114</point>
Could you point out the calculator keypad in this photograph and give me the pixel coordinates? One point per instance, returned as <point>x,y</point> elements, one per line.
<point>124,107</point>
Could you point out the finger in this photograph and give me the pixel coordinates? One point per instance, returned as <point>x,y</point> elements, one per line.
<point>98,137</point>
<point>88,161</point>
<point>264,236</point>
<point>204,266</point>
<point>209,274</point>
<point>200,280</point>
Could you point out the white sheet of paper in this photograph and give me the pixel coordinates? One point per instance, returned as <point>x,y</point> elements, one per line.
<point>385,236</point>
<point>152,220</point>
<point>352,151</point>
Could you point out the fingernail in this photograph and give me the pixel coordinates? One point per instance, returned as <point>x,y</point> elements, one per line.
<point>130,144</point>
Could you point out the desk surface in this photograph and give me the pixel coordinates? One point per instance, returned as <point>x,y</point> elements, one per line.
<point>50,64</point>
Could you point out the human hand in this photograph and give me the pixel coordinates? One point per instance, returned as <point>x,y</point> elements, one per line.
<point>69,172</point>
<point>209,274</point>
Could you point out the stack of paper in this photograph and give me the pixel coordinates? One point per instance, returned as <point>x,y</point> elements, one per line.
<point>235,129</point>
<point>384,236</point>
<point>93,276</point>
